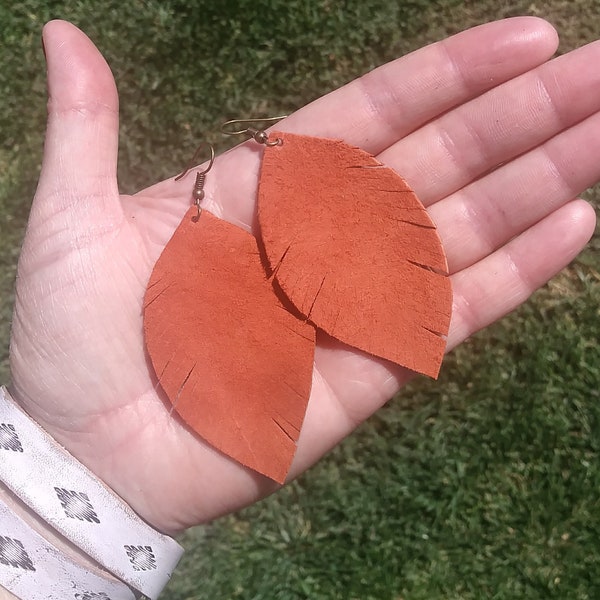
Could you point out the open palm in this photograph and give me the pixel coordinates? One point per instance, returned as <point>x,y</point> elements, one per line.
<point>496,142</point>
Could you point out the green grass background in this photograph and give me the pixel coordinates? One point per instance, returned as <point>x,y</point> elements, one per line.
<point>483,485</point>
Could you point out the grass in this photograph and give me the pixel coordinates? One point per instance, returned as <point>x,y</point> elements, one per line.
<point>484,485</point>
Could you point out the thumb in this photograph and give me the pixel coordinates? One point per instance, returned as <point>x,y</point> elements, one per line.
<point>78,184</point>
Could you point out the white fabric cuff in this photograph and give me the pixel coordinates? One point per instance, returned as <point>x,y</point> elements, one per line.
<point>78,505</point>
<point>36,568</point>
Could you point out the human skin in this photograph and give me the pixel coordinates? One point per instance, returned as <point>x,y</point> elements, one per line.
<point>496,139</point>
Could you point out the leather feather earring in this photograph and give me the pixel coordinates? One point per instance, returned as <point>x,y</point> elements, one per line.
<point>233,362</point>
<point>352,248</point>
<point>347,244</point>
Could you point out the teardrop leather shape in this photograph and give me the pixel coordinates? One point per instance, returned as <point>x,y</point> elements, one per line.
<point>234,363</point>
<point>354,250</point>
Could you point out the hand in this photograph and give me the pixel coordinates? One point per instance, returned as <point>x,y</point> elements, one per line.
<point>495,141</point>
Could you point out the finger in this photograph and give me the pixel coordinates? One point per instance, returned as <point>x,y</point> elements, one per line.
<point>496,285</point>
<point>483,216</point>
<point>388,103</point>
<point>468,141</point>
<point>80,154</point>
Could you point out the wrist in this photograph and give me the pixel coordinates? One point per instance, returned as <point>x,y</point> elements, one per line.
<point>102,444</point>
<point>73,512</point>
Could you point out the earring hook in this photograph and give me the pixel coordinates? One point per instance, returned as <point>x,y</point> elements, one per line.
<point>258,135</point>
<point>194,160</point>
<point>198,190</point>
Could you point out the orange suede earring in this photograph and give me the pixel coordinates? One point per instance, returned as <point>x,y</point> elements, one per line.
<point>234,363</point>
<point>348,248</point>
<point>352,248</point>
